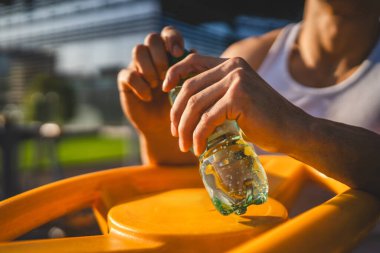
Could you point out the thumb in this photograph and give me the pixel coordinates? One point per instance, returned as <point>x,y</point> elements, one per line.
<point>173,41</point>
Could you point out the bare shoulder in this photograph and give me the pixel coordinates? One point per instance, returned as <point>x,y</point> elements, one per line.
<point>252,49</point>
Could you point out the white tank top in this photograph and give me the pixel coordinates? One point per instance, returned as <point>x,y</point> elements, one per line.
<point>354,101</point>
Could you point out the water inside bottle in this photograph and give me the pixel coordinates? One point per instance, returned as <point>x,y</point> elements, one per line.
<point>233,176</point>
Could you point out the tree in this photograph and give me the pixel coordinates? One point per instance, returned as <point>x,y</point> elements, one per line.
<point>50,99</point>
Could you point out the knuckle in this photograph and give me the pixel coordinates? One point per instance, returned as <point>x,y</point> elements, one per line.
<point>152,38</point>
<point>138,49</point>
<point>130,77</point>
<point>126,77</point>
<point>187,88</point>
<point>235,92</point>
<point>237,75</point>
<point>182,129</point>
<point>237,61</point>
<point>187,84</point>
<point>191,57</point>
<point>168,27</point>
<point>193,101</point>
<point>168,32</point>
<point>205,118</point>
<point>198,133</point>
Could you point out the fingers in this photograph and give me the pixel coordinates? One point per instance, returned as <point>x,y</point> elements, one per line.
<point>192,64</point>
<point>173,41</point>
<point>151,58</point>
<point>229,107</point>
<point>130,80</point>
<point>144,64</point>
<point>149,63</point>
<point>195,84</point>
<point>200,97</point>
<point>196,106</point>
<point>189,88</point>
<point>213,117</point>
<point>158,53</point>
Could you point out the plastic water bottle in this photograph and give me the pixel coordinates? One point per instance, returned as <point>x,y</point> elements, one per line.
<point>230,169</point>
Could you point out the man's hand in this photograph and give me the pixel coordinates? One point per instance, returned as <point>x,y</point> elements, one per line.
<point>140,84</point>
<point>228,89</point>
<point>143,101</point>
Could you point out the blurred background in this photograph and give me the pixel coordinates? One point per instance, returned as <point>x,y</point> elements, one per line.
<point>59,107</point>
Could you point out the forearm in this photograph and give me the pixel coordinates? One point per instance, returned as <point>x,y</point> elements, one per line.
<point>347,153</point>
<point>158,150</point>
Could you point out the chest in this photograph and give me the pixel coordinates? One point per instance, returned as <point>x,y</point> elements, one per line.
<point>356,102</point>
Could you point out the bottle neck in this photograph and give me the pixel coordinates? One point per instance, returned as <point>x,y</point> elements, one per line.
<point>224,134</point>
<point>227,129</point>
<point>228,137</point>
<point>173,93</point>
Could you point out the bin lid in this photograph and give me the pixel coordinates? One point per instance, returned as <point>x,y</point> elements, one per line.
<point>189,212</point>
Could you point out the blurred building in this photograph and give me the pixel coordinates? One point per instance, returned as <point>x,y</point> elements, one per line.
<point>85,39</point>
<point>18,67</point>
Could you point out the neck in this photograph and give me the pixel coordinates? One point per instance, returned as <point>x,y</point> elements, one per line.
<point>337,32</point>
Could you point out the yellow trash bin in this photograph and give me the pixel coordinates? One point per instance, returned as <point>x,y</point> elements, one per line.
<point>166,209</point>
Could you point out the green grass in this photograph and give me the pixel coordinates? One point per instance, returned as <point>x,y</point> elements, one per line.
<point>73,151</point>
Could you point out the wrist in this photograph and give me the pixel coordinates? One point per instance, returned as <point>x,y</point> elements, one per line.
<point>297,133</point>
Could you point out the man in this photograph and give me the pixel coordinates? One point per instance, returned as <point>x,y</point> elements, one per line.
<point>327,54</point>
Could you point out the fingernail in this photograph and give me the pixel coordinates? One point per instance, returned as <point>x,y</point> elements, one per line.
<point>181,145</point>
<point>164,84</point>
<point>177,51</point>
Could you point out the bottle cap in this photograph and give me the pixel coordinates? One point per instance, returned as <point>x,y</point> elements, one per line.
<point>173,60</point>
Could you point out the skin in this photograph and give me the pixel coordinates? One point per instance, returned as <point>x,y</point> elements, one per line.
<point>144,103</point>
<point>231,89</point>
<point>325,53</point>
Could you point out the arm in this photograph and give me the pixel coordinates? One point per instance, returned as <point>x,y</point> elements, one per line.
<point>347,153</point>
<point>230,89</point>
<point>253,50</point>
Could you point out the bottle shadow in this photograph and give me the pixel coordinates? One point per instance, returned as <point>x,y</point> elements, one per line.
<point>257,221</point>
